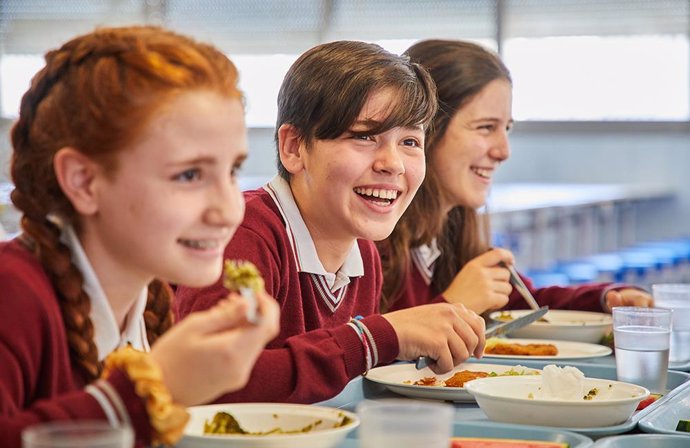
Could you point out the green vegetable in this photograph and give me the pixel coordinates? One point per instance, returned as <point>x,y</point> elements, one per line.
<point>683,425</point>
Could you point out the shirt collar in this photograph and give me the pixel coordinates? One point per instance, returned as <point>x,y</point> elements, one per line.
<point>107,336</point>
<point>302,243</point>
<point>428,254</point>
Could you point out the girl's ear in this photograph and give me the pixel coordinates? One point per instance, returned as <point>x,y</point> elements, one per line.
<point>76,174</point>
<point>290,148</point>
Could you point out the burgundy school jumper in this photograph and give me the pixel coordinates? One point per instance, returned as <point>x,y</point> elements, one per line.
<point>417,290</point>
<point>316,352</point>
<point>37,380</point>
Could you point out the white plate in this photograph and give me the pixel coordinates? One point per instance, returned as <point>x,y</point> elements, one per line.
<point>395,377</point>
<point>568,325</point>
<point>566,349</point>
<point>507,399</point>
<point>261,417</point>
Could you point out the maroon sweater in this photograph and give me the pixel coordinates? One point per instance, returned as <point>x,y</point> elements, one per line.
<point>316,352</point>
<point>416,291</point>
<point>37,380</point>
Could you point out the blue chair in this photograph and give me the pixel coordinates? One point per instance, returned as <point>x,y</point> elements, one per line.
<point>579,272</point>
<point>544,278</point>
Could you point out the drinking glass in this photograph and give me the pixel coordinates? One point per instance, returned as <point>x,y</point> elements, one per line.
<point>676,296</point>
<point>641,339</point>
<point>77,434</point>
<point>404,424</point>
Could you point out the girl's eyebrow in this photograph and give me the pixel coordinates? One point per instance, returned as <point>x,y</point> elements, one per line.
<point>201,160</point>
<point>205,160</point>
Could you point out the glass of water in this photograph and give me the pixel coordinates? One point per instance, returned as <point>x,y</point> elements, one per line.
<point>77,434</point>
<point>676,297</point>
<point>642,339</point>
<point>403,423</point>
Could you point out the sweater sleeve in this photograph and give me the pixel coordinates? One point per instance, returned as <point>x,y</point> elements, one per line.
<point>37,381</point>
<point>314,366</point>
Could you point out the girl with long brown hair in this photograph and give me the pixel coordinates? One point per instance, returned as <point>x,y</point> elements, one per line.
<point>440,248</point>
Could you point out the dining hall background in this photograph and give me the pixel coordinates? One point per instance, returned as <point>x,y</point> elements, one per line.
<point>601,146</point>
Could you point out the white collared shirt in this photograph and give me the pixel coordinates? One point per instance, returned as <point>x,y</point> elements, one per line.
<point>424,257</point>
<point>302,243</point>
<point>107,335</point>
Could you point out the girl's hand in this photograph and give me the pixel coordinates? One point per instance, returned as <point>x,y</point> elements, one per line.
<point>628,297</point>
<point>446,333</point>
<point>482,284</point>
<point>213,352</point>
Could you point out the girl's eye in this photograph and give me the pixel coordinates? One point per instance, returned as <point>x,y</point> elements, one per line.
<point>363,137</point>
<point>509,128</point>
<point>487,127</point>
<point>413,142</point>
<point>235,170</point>
<point>189,175</point>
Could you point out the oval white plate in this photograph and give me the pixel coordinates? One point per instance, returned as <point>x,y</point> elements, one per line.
<point>568,325</point>
<point>566,349</point>
<point>507,399</point>
<point>263,417</point>
<point>398,378</point>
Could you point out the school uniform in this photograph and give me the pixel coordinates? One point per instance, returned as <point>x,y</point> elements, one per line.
<point>417,288</point>
<point>38,382</point>
<point>318,350</point>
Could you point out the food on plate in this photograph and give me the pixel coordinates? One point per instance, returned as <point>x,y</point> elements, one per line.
<point>647,401</point>
<point>505,316</point>
<point>683,426</point>
<point>495,346</point>
<point>225,423</point>
<point>607,340</point>
<point>242,274</point>
<point>565,383</point>
<point>460,378</point>
<point>471,442</point>
<point>457,380</point>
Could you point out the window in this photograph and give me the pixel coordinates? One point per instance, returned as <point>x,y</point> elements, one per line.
<point>597,78</point>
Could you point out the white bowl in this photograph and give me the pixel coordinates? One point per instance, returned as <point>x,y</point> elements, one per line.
<point>262,417</point>
<point>567,325</point>
<point>507,399</point>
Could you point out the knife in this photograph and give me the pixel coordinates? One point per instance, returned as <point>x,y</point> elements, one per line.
<point>496,330</point>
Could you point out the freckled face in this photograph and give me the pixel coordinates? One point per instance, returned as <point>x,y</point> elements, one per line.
<point>358,185</point>
<point>173,203</point>
<point>476,141</point>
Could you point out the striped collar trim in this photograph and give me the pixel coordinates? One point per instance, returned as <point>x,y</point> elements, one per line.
<point>424,257</point>
<point>302,244</point>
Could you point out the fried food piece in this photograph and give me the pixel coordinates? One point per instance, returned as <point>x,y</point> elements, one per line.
<point>242,274</point>
<point>460,378</point>
<point>426,381</point>
<point>505,348</point>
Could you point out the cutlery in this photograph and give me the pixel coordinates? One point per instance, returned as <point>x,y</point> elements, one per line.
<point>517,282</point>
<point>252,315</point>
<point>496,330</point>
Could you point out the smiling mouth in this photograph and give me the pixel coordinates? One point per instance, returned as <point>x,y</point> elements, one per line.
<point>378,196</point>
<point>482,172</point>
<point>200,244</point>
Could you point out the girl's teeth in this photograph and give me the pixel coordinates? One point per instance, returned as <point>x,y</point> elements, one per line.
<point>377,193</point>
<point>200,244</point>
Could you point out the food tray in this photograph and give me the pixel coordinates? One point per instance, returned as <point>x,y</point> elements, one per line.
<point>359,389</point>
<point>503,431</point>
<point>663,419</point>
<point>642,441</point>
<point>675,380</point>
